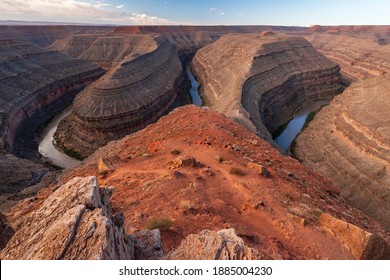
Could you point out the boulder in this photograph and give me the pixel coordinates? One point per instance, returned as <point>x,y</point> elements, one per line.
<point>212,245</point>
<point>148,245</point>
<point>362,244</point>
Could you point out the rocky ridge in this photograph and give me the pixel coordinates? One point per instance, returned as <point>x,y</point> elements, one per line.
<point>207,172</point>
<point>264,78</point>
<point>348,142</point>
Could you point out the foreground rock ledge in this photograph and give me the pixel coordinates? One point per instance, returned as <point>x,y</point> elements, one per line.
<point>212,245</point>
<point>73,223</point>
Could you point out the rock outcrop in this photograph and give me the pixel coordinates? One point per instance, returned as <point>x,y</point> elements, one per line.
<point>362,244</point>
<point>211,245</point>
<point>264,78</point>
<point>348,142</point>
<point>74,222</point>
<point>132,95</point>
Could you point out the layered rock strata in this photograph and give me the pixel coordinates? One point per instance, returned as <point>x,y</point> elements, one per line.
<point>132,95</point>
<point>75,222</point>
<point>264,78</point>
<point>45,35</point>
<point>359,55</point>
<point>31,81</point>
<point>105,50</point>
<point>348,142</point>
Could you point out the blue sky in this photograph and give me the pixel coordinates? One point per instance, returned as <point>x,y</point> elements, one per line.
<point>200,12</point>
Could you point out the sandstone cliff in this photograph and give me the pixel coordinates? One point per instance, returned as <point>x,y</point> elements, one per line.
<point>196,169</point>
<point>360,55</point>
<point>132,95</point>
<point>264,78</point>
<point>348,142</point>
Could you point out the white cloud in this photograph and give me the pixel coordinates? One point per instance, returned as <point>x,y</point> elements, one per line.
<point>74,11</point>
<point>240,14</point>
<point>217,11</point>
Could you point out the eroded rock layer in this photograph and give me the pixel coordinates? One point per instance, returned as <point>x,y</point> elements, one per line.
<point>268,76</point>
<point>105,50</point>
<point>348,141</point>
<point>360,55</point>
<point>132,95</point>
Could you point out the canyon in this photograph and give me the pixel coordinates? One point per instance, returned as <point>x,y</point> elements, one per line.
<point>166,166</point>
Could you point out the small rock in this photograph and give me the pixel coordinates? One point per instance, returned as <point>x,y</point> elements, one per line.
<point>175,152</point>
<point>178,174</point>
<point>263,171</point>
<point>219,158</point>
<point>260,204</point>
<point>236,148</point>
<point>185,161</point>
<point>105,166</point>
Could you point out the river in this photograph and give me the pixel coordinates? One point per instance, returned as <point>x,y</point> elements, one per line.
<point>196,99</point>
<point>47,146</point>
<point>293,128</point>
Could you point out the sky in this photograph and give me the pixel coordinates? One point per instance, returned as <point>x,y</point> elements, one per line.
<point>200,12</point>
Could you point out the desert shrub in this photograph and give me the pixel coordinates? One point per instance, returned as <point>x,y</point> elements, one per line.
<point>236,171</point>
<point>163,223</point>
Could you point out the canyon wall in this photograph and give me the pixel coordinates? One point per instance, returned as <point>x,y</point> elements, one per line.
<point>130,96</point>
<point>264,78</point>
<point>31,79</point>
<point>348,142</point>
<point>360,55</point>
<point>105,50</point>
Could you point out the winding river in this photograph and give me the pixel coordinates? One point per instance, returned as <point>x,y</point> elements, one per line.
<point>293,128</point>
<point>48,148</point>
<point>196,99</point>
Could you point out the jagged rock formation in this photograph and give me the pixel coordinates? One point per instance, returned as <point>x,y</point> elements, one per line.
<point>264,78</point>
<point>75,222</point>
<point>359,57</point>
<point>132,95</point>
<point>362,244</point>
<point>211,245</point>
<point>35,85</point>
<point>275,214</point>
<point>348,142</point>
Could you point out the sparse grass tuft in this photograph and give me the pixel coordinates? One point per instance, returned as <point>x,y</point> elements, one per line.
<point>163,224</point>
<point>237,171</point>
